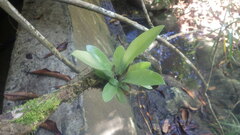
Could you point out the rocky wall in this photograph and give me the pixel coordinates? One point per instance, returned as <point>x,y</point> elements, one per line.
<point>87,114</point>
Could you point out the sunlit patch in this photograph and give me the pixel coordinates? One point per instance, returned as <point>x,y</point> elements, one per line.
<point>208,16</point>
<point>113,124</point>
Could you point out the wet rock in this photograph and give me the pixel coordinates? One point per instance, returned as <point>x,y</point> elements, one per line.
<point>204,54</point>
<point>225,78</point>
<point>166,18</point>
<point>179,99</point>
<point>154,107</point>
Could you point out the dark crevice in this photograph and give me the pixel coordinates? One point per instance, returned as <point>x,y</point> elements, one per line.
<point>8,29</point>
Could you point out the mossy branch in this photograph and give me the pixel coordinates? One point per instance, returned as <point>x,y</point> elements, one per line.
<point>26,118</point>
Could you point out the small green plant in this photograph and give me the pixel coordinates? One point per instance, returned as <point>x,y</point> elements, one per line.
<point>232,52</point>
<point>230,124</point>
<point>120,71</point>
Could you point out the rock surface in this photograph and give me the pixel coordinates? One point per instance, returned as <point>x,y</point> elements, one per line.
<point>58,23</point>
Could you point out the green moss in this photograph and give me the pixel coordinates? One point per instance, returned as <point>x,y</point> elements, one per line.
<point>37,109</point>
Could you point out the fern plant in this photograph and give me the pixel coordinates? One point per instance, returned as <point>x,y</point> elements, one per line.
<point>120,72</point>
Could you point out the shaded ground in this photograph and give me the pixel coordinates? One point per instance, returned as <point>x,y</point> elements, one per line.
<point>7,37</point>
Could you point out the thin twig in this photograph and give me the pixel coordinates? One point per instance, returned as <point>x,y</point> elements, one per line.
<point>182,34</point>
<point>146,14</point>
<point>12,11</point>
<point>144,118</point>
<point>216,44</point>
<point>213,113</point>
<point>155,63</point>
<point>103,11</point>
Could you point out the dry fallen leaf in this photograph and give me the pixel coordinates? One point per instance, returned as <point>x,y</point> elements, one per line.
<point>114,21</point>
<point>20,95</point>
<point>187,105</point>
<point>47,72</point>
<point>185,115</point>
<point>201,100</point>
<point>166,126</point>
<point>57,87</point>
<point>189,92</point>
<point>149,116</point>
<point>61,47</point>
<point>38,17</point>
<point>51,126</point>
<point>221,63</point>
<point>212,88</point>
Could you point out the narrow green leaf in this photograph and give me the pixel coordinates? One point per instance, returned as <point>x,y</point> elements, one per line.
<point>121,97</point>
<point>140,65</point>
<point>99,56</point>
<point>140,44</point>
<point>109,91</point>
<point>124,86</point>
<point>230,40</point>
<point>114,82</point>
<point>143,77</point>
<point>88,59</point>
<point>147,87</point>
<point>118,58</point>
<point>101,74</point>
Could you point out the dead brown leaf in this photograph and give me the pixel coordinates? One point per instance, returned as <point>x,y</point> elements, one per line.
<point>185,114</point>
<point>202,100</point>
<point>149,116</point>
<point>51,126</point>
<point>114,21</point>
<point>187,105</point>
<point>189,92</point>
<point>20,95</point>
<point>212,88</point>
<point>38,17</point>
<point>166,126</point>
<point>61,47</point>
<point>47,72</point>
<point>57,87</point>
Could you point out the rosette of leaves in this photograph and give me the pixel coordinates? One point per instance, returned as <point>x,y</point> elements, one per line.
<point>120,72</point>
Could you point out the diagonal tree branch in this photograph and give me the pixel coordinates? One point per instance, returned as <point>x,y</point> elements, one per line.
<point>12,11</point>
<point>92,7</point>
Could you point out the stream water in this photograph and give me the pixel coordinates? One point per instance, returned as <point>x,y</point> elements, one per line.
<point>153,108</point>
